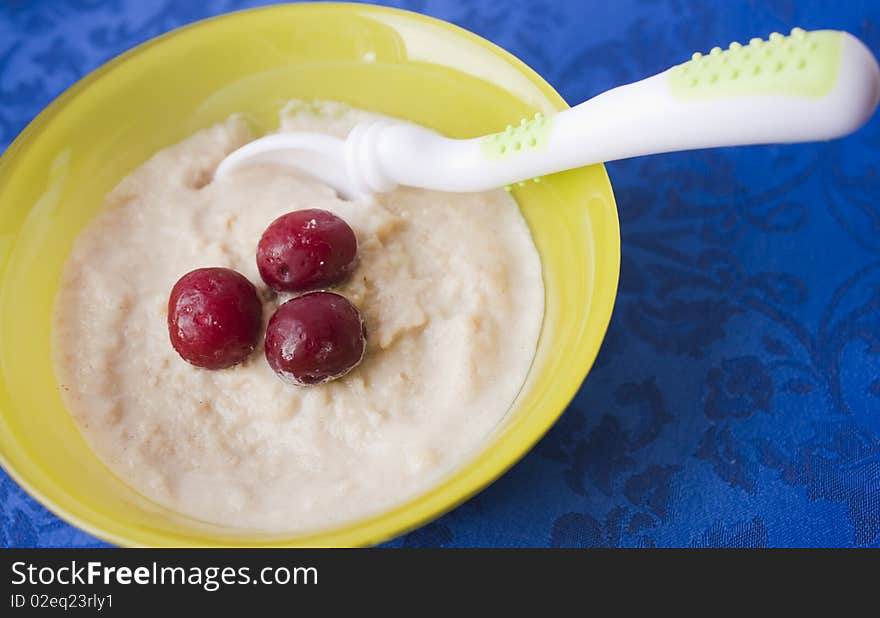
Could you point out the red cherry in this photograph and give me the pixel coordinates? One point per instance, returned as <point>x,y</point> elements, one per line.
<point>214,317</point>
<point>315,338</point>
<point>306,249</point>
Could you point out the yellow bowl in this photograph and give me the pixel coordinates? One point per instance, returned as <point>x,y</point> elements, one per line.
<point>53,178</point>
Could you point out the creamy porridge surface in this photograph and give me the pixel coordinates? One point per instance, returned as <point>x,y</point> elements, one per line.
<point>450,288</point>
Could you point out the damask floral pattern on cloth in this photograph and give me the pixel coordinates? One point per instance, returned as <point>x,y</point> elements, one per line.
<point>736,400</point>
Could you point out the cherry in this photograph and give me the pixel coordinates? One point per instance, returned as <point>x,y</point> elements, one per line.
<point>306,249</point>
<point>315,338</point>
<point>214,317</point>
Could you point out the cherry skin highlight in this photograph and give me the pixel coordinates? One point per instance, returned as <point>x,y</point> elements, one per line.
<point>306,249</point>
<point>314,338</point>
<point>214,317</point>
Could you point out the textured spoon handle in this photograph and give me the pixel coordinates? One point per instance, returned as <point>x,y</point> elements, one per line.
<point>804,64</point>
<point>803,87</point>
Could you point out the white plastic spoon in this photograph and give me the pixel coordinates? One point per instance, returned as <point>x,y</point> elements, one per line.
<point>807,86</point>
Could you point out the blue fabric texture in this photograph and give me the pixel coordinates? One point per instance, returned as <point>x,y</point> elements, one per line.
<point>736,399</point>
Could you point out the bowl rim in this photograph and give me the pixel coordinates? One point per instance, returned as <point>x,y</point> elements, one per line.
<point>457,487</point>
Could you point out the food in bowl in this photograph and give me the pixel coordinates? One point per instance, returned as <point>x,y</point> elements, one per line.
<point>315,338</point>
<point>449,288</point>
<point>214,317</point>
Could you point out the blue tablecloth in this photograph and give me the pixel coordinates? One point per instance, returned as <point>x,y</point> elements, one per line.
<point>736,400</point>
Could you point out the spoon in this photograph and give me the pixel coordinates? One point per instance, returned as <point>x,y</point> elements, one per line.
<point>807,86</point>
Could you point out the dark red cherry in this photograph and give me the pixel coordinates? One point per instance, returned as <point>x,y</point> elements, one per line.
<point>214,317</point>
<point>314,338</point>
<point>306,249</point>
